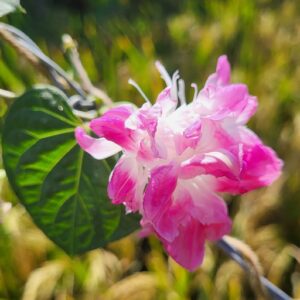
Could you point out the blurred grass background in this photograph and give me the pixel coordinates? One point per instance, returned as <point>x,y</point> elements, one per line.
<point>119,39</point>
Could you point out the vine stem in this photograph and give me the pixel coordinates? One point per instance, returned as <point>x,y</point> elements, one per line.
<point>73,54</point>
<point>30,50</point>
<point>26,47</point>
<point>273,291</point>
<point>7,94</point>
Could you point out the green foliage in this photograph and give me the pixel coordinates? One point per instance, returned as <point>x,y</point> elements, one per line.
<point>8,6</point>
<point>63,188</point>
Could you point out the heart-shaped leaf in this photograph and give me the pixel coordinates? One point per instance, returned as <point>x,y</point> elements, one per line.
<point>63,188</point>
<point>8,6</point>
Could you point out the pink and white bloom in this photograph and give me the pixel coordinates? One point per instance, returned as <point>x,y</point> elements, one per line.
<point>177,157</point>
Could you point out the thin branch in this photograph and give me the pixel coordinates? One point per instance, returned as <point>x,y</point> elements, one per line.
<point>85,115</point>
<point>9,37</point>
<point>7,94</point>
<point>72,52</point>
<point>254,265</point>
<point>233,253</point>
<point>27,48</point>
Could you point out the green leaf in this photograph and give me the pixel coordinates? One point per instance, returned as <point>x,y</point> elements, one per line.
<point>8,6</point>
<point>62,187</point>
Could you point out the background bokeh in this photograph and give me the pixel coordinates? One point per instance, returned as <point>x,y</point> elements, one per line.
<point>122,39</point>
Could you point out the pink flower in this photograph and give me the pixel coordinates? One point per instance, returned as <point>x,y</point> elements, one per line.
<point>176,157</point>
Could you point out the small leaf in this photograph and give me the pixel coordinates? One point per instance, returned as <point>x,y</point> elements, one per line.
<point>8,6</point>
<point>63,188</point>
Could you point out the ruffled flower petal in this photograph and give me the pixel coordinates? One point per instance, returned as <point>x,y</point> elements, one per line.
<point>187,249</point>
<point>186,217</point>
<point>218,163</point>
<point>197,199</point>
<point>189,138</point>
<point>260,166</point>
<point>166,102</point>
<point>111,125</point>
<point>219,99</point>
<point>223,69</point>
<point>127,183</point>
<point>158,201</point>
<point>231,101</point>
<point>98,148</point>
<point>223,73</point>
<point>176,159</point>
<point>206,219</point>
<point>248,111</point>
